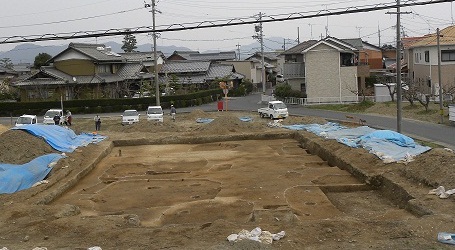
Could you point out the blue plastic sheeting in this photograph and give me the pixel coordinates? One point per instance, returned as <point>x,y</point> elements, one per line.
<point>388,145</point>
<point>349,136</point>
<point>246,119</point>
<point>14,178</point>
<point>316,128</point>
<point>209,120</point>
<point>204,120</point>
<point>61,138</point>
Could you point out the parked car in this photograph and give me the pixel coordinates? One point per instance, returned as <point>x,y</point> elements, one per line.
<point>139,95</point>
<point>154,113</point>
<point>49,116</point>
<point>130,116</point>
<point>274,110</point>
<point>26,119</point>
<point>280,78</point>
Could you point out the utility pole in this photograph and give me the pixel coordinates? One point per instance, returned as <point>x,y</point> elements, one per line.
<point>155,61</point>
<point>398,65</point>
<point>238,49</point>
<point>298,35</point>
<point>260,37</point>
<point>379,36</point>
<point>284,44</point>
<point>441,110</point>
<point>262,53</point>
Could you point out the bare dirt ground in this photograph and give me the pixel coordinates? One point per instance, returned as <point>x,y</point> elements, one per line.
<point>188,185</point>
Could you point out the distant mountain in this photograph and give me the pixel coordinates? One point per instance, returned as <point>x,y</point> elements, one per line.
<point>26,52</point>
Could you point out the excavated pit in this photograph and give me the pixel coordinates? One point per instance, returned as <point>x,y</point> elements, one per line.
<point>243,179</point>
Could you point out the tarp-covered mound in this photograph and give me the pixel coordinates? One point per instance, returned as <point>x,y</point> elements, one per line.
<point>61,138</point>
<point>388,145</point>
<point>14,178</point>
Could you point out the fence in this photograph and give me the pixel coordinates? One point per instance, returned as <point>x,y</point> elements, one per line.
<point>326,100</point>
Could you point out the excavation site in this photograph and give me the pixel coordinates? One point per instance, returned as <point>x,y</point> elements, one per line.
<point>228,183</point>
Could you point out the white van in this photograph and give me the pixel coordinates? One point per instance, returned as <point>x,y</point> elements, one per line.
<point>26,119</point>
<point>130,116</point>
<point>154,113</point>
<point>49,116</point>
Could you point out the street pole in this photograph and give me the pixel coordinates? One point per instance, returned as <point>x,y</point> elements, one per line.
<point>441,110</point>
<point>398,64</point>
<point>262,53</point>
<point>157,85</point>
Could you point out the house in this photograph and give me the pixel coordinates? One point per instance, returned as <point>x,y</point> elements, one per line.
<point>196,56</point>
<point>183,74</point>
<point>251,69</point>
<point>87,71</point>
<point>423,61</point>
<point>325,70</point>
<point>369,54</point>
<point>271,57</point>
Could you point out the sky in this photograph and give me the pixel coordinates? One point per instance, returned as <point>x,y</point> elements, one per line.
<point>26,18</point>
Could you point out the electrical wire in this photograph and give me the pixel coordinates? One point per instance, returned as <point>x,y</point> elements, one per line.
<point>216,23</point>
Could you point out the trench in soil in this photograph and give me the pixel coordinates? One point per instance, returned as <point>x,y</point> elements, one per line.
<point>261,181</point>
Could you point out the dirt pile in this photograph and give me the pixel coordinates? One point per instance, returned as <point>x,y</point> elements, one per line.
<point>19,147</point>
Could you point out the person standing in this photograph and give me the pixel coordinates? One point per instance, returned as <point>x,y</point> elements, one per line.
<point>56,119</point>
<point>173,111</point>
<point>97,122</point>
<point>69,118</point>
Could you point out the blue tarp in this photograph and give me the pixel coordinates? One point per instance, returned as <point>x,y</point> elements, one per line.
<point>246,119</point>
<point>18,177</point>
<point>61,138</point>
<point>388,145</point>
<point>316,128</point>
<point>14,178</point>
<point>209,120</point>
<point>204,120</point>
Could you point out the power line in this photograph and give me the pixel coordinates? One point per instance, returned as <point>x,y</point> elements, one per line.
<point>215,23</point>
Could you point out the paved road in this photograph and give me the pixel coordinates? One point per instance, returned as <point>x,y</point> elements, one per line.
<point>440,134</point>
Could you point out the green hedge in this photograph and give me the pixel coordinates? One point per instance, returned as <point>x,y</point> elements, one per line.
<point>109,105</point>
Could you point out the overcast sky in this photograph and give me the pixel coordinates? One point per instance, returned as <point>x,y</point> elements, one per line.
<point>25,18</point>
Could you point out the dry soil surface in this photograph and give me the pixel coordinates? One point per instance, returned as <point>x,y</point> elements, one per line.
<point>188,185</point>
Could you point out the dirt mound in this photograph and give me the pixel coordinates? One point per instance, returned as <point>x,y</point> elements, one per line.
<point>434,168</point>
<point>3,128</point>
<point>227,123</point>
<point>19,147</point>
<point>197,113</point>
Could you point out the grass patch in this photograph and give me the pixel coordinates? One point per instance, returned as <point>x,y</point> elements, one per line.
<point>356,107</point>
<point>428,144</point>
<point>429,112</point>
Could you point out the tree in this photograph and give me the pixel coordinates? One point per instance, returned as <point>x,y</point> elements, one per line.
<point>387,81</point>
<point>129,42</point>
<point>6,63</point>
<point>41,60</point>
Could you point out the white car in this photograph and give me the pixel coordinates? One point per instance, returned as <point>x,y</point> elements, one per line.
<point>155,113</point>
<point>26,119</point>
<point>49,116</point>
<point>130,116</point>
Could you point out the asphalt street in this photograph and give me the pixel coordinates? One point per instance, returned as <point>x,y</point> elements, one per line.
<point>440,134</point>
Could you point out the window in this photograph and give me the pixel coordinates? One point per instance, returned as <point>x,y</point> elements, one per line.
<point>447,55</point>
<point>103,68</point>
<point>347,59</point>
<point>416,56</point>
<point>427,56</point>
